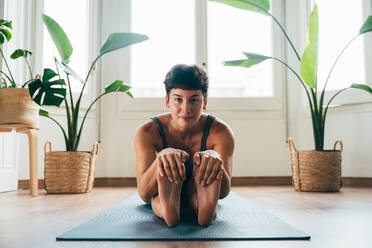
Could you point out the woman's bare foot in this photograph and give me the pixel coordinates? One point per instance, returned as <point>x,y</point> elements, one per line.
<point>170,199</point>
<point>207,199</point>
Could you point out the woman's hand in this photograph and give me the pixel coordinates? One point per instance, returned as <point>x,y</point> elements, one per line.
<point>209,166</point>
<point>171,164</point>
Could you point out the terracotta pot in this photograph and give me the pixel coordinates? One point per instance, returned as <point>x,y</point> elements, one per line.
<point>16,107</point>
<point>69,172</point>
<point>318,171</point>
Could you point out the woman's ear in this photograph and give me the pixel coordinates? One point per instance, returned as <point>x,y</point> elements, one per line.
<point>205,103</point>
<point>166,101</point>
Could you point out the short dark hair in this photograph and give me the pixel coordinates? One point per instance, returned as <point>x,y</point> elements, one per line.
<point>187,77</point>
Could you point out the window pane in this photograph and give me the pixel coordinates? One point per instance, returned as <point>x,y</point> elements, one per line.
<point>74,23</point>
<point>171,31</point>
<point>336,29</point>
<point>232,31</point>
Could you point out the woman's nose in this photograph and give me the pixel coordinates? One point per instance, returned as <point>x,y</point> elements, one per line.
<point>186,106</point>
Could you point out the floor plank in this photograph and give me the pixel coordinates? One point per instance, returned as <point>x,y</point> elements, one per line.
<point>339,220</point>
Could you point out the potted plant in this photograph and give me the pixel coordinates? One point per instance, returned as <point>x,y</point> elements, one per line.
<point>320,169</point>
<point>71,171</point>
<point>16,106</point>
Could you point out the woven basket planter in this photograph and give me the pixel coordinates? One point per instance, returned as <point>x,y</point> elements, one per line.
<point>69,172</point>
<point>17,107</point>
<point>318,171</point>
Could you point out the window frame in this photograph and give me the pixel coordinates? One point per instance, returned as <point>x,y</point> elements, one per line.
<point>130,107</point>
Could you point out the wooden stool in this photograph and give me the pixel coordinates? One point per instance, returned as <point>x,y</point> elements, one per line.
<point>33,151</point>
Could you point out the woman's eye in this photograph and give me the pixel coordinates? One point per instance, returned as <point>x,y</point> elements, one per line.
<point>178,99</point>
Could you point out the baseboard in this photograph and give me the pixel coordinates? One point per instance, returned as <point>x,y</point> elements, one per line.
<point>236,181</point>
<point>25,184</point>
<point>261,181</point>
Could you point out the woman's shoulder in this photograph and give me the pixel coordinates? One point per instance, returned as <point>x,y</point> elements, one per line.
<point>149,126</point>
<point>220,128</point>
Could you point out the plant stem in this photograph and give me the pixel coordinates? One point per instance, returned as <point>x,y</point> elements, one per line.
<point>91,68</point>
<point>295,73</point>
<point>63,131</point>
<point>330,100</point>
<point>9,79</point>
<point>329,74</point>
<point>86,113</point>
<point>77,107</point>
<point>285,33</point>
<point>312,109</point>
<point>7,66</point>
<point>29,68</point>
<point>68,113</point>
<point>69,89</point>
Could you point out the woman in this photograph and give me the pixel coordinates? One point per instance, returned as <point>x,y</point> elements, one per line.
<point>184,157</point>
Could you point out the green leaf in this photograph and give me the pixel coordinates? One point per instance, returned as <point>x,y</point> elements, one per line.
<point>362,87</point>
<point>124,88</point>
<point>252,59</point>
<point>59,37</point>
<point>20,53</point>
<point>2,40</point>
<point>69,71</point>
<point>129,94</point>
<point>120,40</point>
<point>309,60</point>
<point>43,113</point>
<point>48,74</point>
<point>117,85</point>
<point>52,91</point>
<point>367,26</point>
<point>6,23</point>
<point>259,6</point>
<point>6,33</point>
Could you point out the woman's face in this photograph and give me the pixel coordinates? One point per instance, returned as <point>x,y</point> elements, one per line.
<point>185,106</point>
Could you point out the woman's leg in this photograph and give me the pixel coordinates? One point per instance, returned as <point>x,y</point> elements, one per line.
<point>204,200</point>
<point>166,204</point>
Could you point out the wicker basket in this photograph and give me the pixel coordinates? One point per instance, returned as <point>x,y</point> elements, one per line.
<point>69,172</point>
<point>17,107</point>
<point>318,171</point>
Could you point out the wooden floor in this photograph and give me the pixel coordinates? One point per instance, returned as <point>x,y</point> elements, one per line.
<point>339,220</point>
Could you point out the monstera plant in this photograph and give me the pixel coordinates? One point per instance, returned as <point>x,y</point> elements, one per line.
<point>16,106</point>
<point>5,36</point>
<point>308,63</point>
<point>52,89</point>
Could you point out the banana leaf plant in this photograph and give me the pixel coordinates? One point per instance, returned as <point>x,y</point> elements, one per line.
<point>44,91</point>
<point>5,36</point>
<point>308,63</point>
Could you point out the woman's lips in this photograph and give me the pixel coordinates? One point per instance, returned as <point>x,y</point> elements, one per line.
<point>186,118</point>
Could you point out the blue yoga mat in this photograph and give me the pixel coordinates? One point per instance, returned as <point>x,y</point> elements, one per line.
<point>237,219</point>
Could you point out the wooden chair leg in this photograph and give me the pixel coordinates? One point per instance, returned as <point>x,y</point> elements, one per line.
<point>33,149</point>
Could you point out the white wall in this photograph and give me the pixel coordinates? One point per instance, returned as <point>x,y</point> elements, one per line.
<point>261,148</point>
<point>50,131</point>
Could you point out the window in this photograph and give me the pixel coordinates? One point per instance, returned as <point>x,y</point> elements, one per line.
<point>171,29</point>
<point>177,36</point>
<point>335,32</point>
<point>336,29</point>
<point>232,31</point>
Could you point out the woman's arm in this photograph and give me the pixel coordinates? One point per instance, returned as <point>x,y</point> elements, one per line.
<point>168,161</point>
<point>217,159</point>
<point>225,147</point>
<point>146,163</point>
